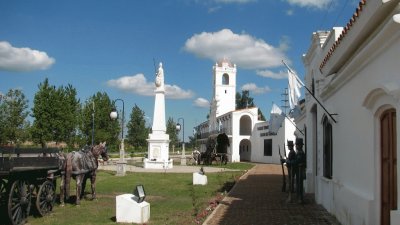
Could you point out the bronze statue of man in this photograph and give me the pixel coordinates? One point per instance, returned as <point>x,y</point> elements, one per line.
<point>301,166</point>
<point>291,165</point>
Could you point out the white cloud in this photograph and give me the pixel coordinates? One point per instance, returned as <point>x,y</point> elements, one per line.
<point>139,85</point>
<point>136,84</point>
<point>318,4</point>
<point>201,102</point>
<point>273,75</point>
<point>246,51</point>
<point>23,59</point>
<point>256,90</point>
<point>175,92</point>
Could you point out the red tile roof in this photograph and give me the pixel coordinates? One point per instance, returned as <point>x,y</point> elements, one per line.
<point>346,29</point>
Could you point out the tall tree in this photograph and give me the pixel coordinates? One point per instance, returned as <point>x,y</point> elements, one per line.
<point>70,114</point>
<point>137,130</point>
<point>192,142</point>
<point>97,109</point>
<point>172,132</point>
<point>244,100</point>
<point>42,111</point>
<point>261,115</point>
<point>13,114</point>
<point>56,113</point>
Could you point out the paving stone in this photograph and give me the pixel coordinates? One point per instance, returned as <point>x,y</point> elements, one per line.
<point>257,199</point>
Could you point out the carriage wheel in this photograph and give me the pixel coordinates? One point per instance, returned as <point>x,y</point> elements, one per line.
<point>3,188</point>
<point>45,198</point>
<point>225,159</point>
<point>19,202</point>
<point>3,192</point>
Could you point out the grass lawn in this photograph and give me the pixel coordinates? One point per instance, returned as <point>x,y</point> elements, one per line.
<point>172,197</point>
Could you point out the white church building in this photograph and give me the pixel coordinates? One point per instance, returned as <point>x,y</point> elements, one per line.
<point>250,139</point>
<point>352,146</point>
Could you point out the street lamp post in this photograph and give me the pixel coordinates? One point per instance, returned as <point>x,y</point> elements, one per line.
<point>87,103</point>
<point>121,163</point>
<point>178,128</point>
<point>93,123</point>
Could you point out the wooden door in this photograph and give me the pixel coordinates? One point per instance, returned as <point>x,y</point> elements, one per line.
<point>389,165</point>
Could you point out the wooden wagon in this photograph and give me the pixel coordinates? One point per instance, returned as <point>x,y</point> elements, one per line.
<point>28,176</point>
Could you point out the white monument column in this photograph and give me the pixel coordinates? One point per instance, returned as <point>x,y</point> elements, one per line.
<point>158,147</point>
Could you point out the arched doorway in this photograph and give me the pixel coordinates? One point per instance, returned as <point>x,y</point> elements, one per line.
<point>388,145</point>
<point>245,150</point>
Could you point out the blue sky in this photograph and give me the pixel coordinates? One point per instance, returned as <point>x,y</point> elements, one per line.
<point>109,46</point>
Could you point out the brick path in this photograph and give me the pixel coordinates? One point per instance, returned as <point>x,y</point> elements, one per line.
<point>257,199</point>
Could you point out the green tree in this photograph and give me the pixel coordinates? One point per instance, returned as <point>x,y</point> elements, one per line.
<point>137,130</point>
<point>261,115</point>
<point>192,142</point>
<point>172,132</point>
<point>97,109</point>
<point>43,113</point>
<point>65,115</point>
<point>70,115</point>
<point>13,114</point>
<point>56,114</point>
<point>244,101</point>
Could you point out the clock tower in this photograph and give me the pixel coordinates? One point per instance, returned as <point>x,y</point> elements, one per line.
<point>224,87</point>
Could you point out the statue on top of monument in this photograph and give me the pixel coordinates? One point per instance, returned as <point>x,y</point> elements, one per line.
<point>160,77</point>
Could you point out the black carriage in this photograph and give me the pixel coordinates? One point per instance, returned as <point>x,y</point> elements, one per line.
<point>216,150</point>
<point>28,176</point>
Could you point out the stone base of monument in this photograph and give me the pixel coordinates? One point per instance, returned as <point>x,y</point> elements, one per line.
<point>121,168</point>
<point>199,179</point>
<point>158,164</point>
<point>129,211</point>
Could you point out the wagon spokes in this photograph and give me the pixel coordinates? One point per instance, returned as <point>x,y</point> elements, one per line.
<point>19,202</point>
<point>46,197</point>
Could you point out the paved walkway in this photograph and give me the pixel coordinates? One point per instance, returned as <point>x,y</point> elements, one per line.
<point>257,199</point>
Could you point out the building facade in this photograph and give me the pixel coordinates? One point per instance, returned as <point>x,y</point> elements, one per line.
<point>352,144</point>
<point>250,139</point>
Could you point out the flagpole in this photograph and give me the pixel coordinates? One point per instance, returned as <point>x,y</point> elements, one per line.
<point>312,94</point>
<point>293,124</point>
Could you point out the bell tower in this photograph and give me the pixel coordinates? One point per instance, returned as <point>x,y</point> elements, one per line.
<point>224,87</point>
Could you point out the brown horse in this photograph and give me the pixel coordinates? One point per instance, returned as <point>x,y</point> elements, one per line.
<point>81,165</point>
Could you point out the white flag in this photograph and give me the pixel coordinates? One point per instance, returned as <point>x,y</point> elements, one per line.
<point>294,89</point>
<point>275,109</point>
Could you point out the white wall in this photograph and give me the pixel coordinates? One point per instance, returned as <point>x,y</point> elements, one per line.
<point>285,132</point>
<point>353,194</point>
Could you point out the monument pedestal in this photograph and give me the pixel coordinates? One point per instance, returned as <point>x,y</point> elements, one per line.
<point>158,152</point>
<point>129,211</point>
<point>199,179</point>
<point>121,168</point>
<point>149,164</point>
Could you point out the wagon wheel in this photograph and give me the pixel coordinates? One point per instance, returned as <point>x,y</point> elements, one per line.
<point>3,192</point>
<point>225,159</point>
<point>19,202</point>
<point>45,198</point>
<point>3,188</point>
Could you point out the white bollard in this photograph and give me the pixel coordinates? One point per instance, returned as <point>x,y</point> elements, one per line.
<point>199,179</point>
